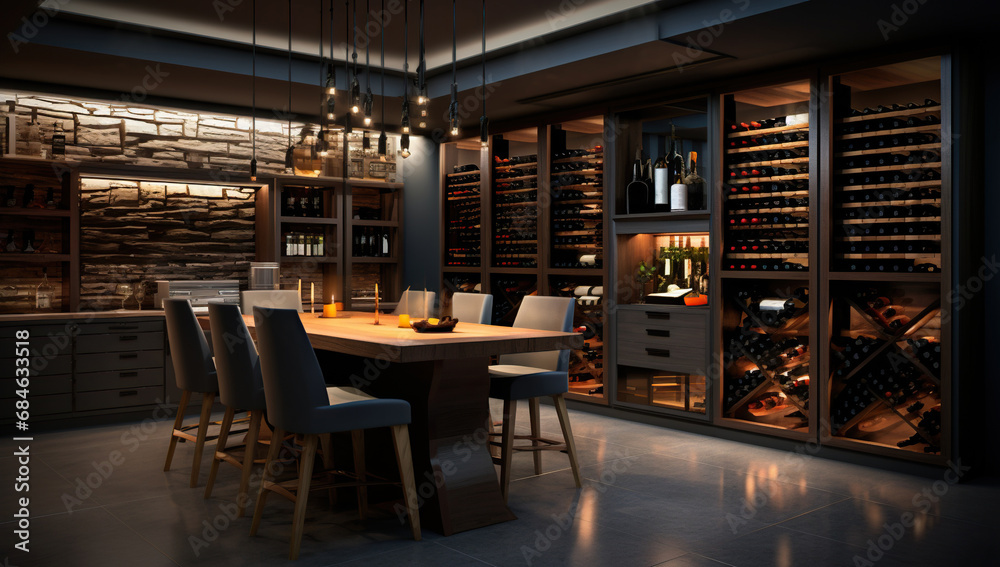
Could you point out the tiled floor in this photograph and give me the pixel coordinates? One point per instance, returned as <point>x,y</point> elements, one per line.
<point>651,496</point>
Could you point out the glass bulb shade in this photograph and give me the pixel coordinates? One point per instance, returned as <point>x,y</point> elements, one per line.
<point>331,79</point>
<point>422,124</point>
<point>355,109</point>
<point>382,144</point>
<point>368,120</point>
<point>421,99</point>
<point>454,130</point>
<point>405,152</point>
<point>331,116</point>
<point>406,129</point>
<point>423,112</point>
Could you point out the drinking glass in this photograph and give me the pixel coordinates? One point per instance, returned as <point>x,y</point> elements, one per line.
<point>140,293</point>
<point>125,291</point>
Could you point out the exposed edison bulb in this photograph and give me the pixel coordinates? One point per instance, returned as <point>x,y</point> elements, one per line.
<point>423,124</point>
<point>421,99</point>
<point>454,130</point>
<point>406,129</point>
<point>355,109</point>
<point>405,152</point>
<point>331,90</point>
<point>368,120</point>
<point>331,116</point>
<point>423,112</point>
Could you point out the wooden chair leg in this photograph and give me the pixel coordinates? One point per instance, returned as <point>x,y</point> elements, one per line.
<point>272,456</point>
<point>536,431</point>
<point>178,423</point>
<point>220,449</point>
<point>358,441</point>
<point>199,447</point>
<point>326,445</point>
<point>401,441</point>
<point>560,404</point>
<point>492,428</point>
<point>507,444</point>
<point>302,493</point>
<point>251,446</point>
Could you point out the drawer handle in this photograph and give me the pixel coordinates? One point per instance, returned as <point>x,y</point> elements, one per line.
<point>657,315</point>
<point>128,374</point>
<point>128,338</point>
<point>125,393</point>
<point>658,352</point>
<point>658,333</point>
<point>128,355</point>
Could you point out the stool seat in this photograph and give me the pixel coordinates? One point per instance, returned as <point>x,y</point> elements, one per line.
<point>513,382</point>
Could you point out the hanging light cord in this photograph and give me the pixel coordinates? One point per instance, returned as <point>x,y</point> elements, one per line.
<point>253,91</point>
<point>322,67</point>
<point>482,96</point>
<point>421,67</point>
<point>354,36</point>
<point>382,63</point>
<point>289,73</point>
<point>368,72</point>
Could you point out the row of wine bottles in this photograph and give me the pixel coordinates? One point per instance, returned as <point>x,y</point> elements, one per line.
<point>760,157</point>
<point>887,266</point>
<point>30,198</point>
<point>515,172</point>
<point>890,141</point>
<point>877,123</point>
<point>767,203</point>
<point>887,159</point>
<point>524,197</point>
<point>516,184</point>
<point>895,107</point>
<point>768,187</point>
<point>514,160</point>
<point>464,179</point>
<point>596,151</point>
<point>895,176</point>
<point>768,219</point>
<point>891,229</point>
<point>764,265</point>
<point>301,244</point>
<point>575,195</point>
<point>891,194</point>
<point>371,241</point>
<point>302,202</point>
<point>889,247</point>
<point>754,172</point>
<point>754,246</point>
<point>890,211</point>
<point>768,139</point>
<point>576,166</point>
<point>593,179</point>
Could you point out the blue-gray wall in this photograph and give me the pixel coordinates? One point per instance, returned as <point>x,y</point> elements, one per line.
<point>422,216</point>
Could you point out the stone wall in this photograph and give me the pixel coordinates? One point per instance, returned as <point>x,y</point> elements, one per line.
<point>135,231</point>
<point>118,132</point>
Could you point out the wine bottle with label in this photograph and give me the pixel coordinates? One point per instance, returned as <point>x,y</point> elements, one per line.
<point>678,189</point>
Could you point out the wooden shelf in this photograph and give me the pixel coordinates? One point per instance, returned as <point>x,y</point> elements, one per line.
<point>901,185</point>
<point>521,190</point>
<point>889,149</point>
<point>454,185</point>
<point>886,276</point>
<point>40,257</point>
<point>389,223</point>
<point>516,165</point>
<point>23,212</point>
<point>793,177</point>
<point>579,158</point>
<point>472,172</point>
<point>463,197</point>
<point>310,220</point>
<point>873,169</point>
<point>770,210</point>
<point>596,247</point>
<point>892,114</point>
<point>514,271</point>
<point>764,148</point>
<point>891,202</point>
<point>509,179</point>
<point>461,269</point>
<point>935,237</point>
<point>575,271</point>
<point>767,255</point>
<point>766,226</point>
<point>765,274</point>
<point>517,204</point>
<point>663,216</point>
<point>786,161</point>
<point>766,195</point>
<point>775,130</point>
<point>590,201</point>
<point>895,219</point>
<point>887,255</point>
<point>593,187</point>
<point>875,133</point>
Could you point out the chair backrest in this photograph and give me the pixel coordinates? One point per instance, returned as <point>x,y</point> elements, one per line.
<point>240,382</point>
<point>472,307</point>
<point>293,380</point>
<point>546,314</point>
<point>416,304</point>
<point>275,299</point>
<point>190,354</point>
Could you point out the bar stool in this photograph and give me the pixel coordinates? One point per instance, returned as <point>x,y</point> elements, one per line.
<point>529,376</point>
<point>472,307</point>
<point>195,373</point>
<point>241,388</point>
<point>299,402</point>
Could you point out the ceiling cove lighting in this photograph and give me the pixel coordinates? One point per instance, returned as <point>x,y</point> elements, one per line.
<point>453,107</point>
<point>484,122</point>
<point>369,98</point>
<point>355,84</point>
<point>382,145</point>
<point>253,94</point>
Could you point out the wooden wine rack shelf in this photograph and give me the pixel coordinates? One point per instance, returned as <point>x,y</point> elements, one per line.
<point>768,255</point>
<point>767,147</point>
<point>894,220</point>
<point>767,226</point>
<point>587,157</point>
<point>931,237</point>
<point>876,133</point>
<point>763,195</point>
<point>770,210</point>
<point>473,172</point>
<point>894,202</point>
<point>775,130</point>
<point>906,185</point>
<point>517,165</point>
<point>892,114</point>
<point>793,177</point>
<point>874,169</point>
<point>889,149</point>
<point>521,190</point>
<point>772,162</point>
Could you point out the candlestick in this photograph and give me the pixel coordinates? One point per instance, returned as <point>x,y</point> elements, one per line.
<point>312,297</point>
<point>376,304</point>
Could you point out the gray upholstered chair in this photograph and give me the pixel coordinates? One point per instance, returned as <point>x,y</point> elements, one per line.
<point>472,307</point>
<point>529,376</point>
<point>241,388</point>
<point>299,402</point>
<point>275,299</point>
<point>194,371</point>
<point>416,304</point>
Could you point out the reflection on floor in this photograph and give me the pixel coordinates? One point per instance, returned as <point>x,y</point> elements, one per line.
<point>651,496</point>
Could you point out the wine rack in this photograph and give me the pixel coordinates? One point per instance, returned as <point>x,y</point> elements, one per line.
<point>463,217</point>
<point>577,211</point>
<point>885,362</point>
<point>766,193</point>
<point>515,207</point>
<point>767,356</point>
<point>508,291</point>
<point>586,365</point>
<point>887,187</point>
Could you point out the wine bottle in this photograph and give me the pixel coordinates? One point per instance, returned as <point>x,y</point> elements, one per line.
<point>695,183</point>
<point>678,189</point>
<point>662,175</point>
<point>44,292</point>
<point>637,191</point>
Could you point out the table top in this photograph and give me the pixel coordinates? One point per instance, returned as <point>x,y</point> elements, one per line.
<point>355,333</point>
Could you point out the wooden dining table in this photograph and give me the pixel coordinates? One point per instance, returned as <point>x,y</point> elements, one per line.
<point>444,377</point>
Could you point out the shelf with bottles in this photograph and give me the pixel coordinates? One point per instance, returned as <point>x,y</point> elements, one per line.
<point>373,243</point>
<point>35,287</point>
<point>680,391</point>
<point>767,361</point>
<point>508,290</point>
<point>886,366</point>
<point>515,200</point>
<point>766,202</point>
<point>577,208</point>
<point>664,263</point>
<point>586,365</point>
<point>886,175</point>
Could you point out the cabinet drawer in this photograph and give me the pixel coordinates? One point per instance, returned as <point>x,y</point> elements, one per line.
<point>39,336</point>
<point>678,359</point>
<point>122,398</point>
<point>117,379</point>
<point>40,365</point>
<point>44,405</point>
<point>39,386</point>
<point>121,326</point>
<point>657,336</point>
<point>118,342</point>
<point>662,319</point>
<point>119,361</point>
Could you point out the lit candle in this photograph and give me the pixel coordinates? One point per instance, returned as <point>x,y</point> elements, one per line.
<point>330,309</point>
<point>404,321</point>
<point>312,297</point>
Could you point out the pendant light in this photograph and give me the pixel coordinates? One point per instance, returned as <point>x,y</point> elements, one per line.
<point>327,96</point>
<point>331,76</point>
<point>355,84</point>
<point>404,121</point>
<point>484,122</point>
<point>422,66</point>
<point>453,107</point>
<point>369,98</point>
<point>253,94</point>
<point>290,152</point>
<point>382,140</point>
<point>347,66</point>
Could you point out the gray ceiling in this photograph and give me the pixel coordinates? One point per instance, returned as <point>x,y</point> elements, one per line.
<point>541,55</point>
